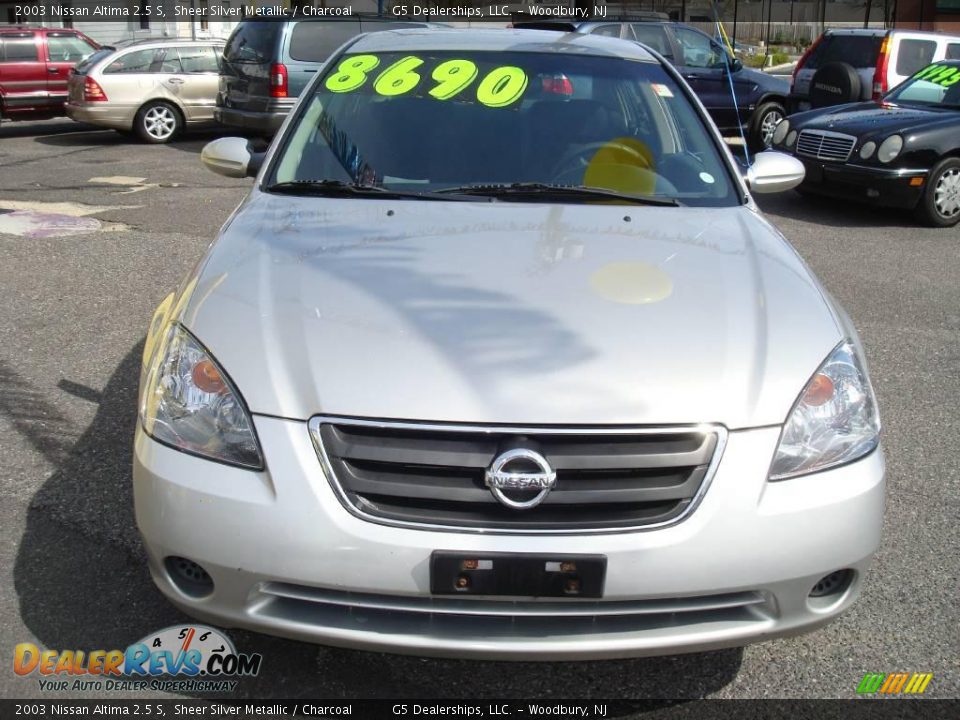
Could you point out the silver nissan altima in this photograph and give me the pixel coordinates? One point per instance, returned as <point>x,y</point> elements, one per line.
<point>499,359</point>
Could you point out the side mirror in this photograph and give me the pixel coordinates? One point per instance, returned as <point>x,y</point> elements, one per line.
<point>773,172</point>
<point>736,65</point>
<point>232,157</point>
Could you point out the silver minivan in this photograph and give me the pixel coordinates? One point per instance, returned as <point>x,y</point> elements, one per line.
<point>152,88</point>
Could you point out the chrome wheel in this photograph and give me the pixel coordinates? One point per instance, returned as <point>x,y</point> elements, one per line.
<point>768,125</point>
<point>160,122</point>
<point>946,194</point>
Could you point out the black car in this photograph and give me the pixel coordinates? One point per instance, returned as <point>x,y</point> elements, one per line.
<point>703,62</point>
<point>267,63</point>
<point>900,151</point>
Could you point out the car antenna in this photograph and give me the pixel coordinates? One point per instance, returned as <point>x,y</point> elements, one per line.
<point>721,33</point>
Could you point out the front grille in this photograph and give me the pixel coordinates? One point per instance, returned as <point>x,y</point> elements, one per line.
<point>433,475</point>
<point>825,145</point>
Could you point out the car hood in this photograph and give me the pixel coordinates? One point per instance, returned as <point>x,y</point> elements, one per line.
<point>869,117</point>
<point>510,312</point>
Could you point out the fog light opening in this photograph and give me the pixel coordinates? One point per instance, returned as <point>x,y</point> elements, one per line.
<point>189,577</point>
<point>832,585</point>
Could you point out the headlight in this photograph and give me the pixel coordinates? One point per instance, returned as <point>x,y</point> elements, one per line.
<point>867,150</point>
<point>890,148</point>
<point>834,421</point>
<point>190,404</point>
<point>780,132</point>
<point>791,138</point>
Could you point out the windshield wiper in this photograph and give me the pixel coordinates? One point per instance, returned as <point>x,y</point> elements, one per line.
<point>561,191</point>
<point>340,188</point>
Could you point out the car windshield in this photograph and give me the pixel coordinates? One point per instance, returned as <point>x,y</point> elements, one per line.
<point>937,84</point>
<point>441,121</point>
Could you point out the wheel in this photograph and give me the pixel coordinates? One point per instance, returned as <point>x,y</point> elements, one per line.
<point>157,122</point>
<point>762,125</point>
<point>940,204</point>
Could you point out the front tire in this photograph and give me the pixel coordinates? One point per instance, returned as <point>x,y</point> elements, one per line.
<point>158,122</point>
<point>940,204</point>
<point>762,125</point>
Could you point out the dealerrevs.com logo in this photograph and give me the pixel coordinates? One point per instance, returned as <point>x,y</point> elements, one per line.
<point>178,658</point>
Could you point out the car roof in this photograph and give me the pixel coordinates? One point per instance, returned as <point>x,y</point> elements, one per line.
<point>162,42</point>
<point>36,28</point>
<point>509,40</point>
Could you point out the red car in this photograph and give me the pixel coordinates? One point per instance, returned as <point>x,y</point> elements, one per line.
<point>35,64</point>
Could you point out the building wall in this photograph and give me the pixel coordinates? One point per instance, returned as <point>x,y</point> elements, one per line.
<point>942,15</point>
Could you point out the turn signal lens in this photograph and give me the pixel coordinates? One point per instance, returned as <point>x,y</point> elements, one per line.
<point>208,378</point>
<point>819,391</point>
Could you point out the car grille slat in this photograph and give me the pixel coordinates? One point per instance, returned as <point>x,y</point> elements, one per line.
<point>825,145</point>
<point>607,479</point>
<point>498,607</point>
<point>443,484</point>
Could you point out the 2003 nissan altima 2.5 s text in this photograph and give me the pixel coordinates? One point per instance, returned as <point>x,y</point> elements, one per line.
<point>499,359</point>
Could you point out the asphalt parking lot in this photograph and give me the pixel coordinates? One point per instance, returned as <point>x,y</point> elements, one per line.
<point>95,230</point>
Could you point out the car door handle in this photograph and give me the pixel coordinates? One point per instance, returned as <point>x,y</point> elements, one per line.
<point>691,76</point>
<point>53,70</point>
<point>175,81</point>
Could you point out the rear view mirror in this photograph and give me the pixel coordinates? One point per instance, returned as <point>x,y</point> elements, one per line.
<point>773,172</point>
<point>736,64</point>
<point>231,157</point>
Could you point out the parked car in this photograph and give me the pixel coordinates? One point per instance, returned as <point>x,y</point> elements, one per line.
<point>34,66</point>
<point>704,63</point>
<point>902,151</point>
<point>850,65</point>
<point>480,370</point>
<point>154,88</point>
<point>268,63</point>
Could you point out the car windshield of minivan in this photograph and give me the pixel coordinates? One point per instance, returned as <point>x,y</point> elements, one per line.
<point>507,126</point>
<point>935,85</point>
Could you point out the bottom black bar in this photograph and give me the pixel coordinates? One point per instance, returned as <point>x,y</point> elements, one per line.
<point>862,709</point>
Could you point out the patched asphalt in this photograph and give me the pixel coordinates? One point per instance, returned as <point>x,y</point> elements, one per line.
<point>71,329</point>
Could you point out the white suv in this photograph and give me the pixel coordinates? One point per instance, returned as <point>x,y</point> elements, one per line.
<point>846,65</point>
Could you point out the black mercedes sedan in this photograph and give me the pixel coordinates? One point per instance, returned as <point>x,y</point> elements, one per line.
<point>900,151</point>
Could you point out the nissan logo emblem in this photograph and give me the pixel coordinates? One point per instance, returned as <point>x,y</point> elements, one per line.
<point>501,479</point>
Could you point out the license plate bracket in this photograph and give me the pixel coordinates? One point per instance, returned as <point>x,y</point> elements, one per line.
<point>516,574</point>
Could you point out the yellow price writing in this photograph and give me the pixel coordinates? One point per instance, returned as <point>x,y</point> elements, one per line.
<point>452,77</point>
<point>944,75</point>
<point>500,87</point>
<point>399,78</point>
<point>352,73</point>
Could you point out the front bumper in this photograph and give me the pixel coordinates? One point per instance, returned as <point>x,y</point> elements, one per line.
<point>287,559</point>
<point>890,187</point>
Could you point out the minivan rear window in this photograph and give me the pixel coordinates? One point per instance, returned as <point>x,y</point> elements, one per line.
<point>315,41</point>
<point>861,51</point>
<point>254,41</point>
